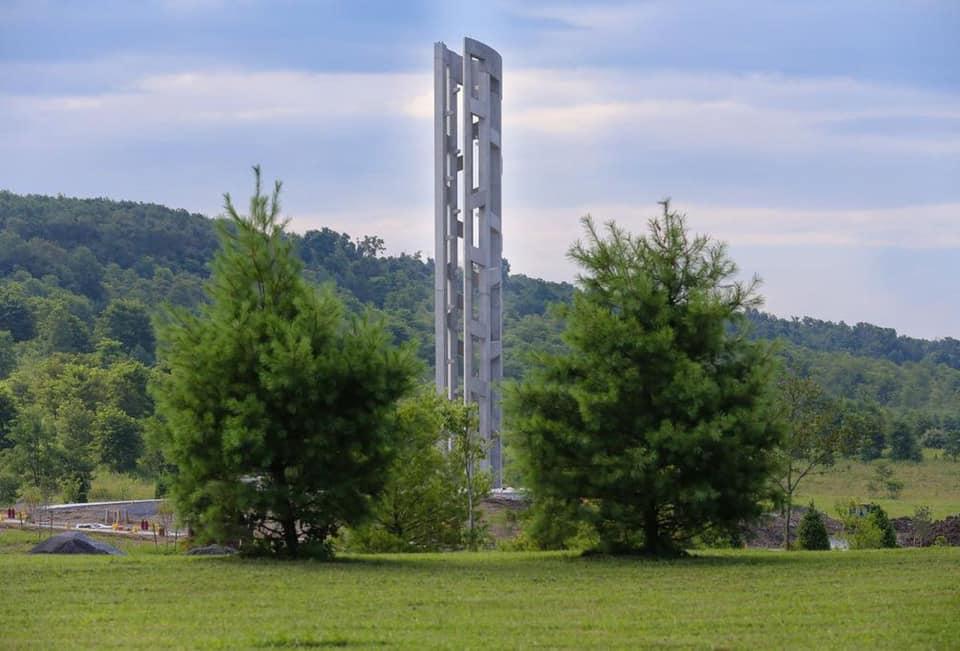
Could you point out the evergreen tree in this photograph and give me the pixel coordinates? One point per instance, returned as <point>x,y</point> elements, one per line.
<point>659,418</point>
<point>278,410</point>
<point>904,445</point>
<point>812,533</point>
<point>879,519</point>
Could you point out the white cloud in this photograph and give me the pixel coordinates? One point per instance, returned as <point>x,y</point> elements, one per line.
<point>743,112</point>
<point>589,114</point>
<point>539,239</point>
<point>818,263</point>
<point>759,113</point>
<point>219,98</point>
<point>919,226</point>
<point>609,19</point>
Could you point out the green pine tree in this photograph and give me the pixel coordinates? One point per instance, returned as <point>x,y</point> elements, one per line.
<point>658,424</point>
<point>888,535</point>
<point>812,534</point>
<point>278,409</point>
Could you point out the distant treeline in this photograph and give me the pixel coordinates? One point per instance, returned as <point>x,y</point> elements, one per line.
<point>862,339</point>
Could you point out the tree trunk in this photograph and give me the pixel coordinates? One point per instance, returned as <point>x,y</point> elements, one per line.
<point>651,533</point>
<point>789,488</point>
<point>786,526</point>
<point>290,538</point>
<point>470,523</point>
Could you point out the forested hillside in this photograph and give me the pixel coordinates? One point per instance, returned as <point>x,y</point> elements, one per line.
<point>862,339</point>
<point>83,281</point>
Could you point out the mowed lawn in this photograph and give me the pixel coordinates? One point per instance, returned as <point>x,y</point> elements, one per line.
<point>892,599</point>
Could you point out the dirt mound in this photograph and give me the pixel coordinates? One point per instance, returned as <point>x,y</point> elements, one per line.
<point>74,542</point>
<point>212,550</point>
<point>767,532</point>
<point>907,536</point>
<point>502,515</point>
<point>949,528</point>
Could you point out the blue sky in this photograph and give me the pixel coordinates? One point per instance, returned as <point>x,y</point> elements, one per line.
<point>820,139</point>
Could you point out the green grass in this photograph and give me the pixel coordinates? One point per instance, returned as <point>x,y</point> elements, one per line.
<point>109,486</point>
<point>883,599</point>
<point>934,482</point>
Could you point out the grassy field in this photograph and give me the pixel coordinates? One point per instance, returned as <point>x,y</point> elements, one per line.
<point>107,486</point>
<point>934,482</point>
<point>884,599</point>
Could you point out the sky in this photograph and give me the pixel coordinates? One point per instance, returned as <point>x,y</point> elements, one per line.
<point>819,139</point>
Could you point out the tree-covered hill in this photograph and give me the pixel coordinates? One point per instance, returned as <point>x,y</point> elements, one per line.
<point>71,258</point>
<point>862,339</point>
<point>82,282</point>
<point>62,258</point>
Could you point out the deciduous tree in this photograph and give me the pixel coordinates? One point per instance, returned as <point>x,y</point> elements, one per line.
<point>35,458</point>
<point>904,445</point>
<point>118,439</point>
<point>429,501</point>
<point>813,438</point>
<point>128,322</point>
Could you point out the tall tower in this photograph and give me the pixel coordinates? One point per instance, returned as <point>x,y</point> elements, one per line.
<point>469,294</point>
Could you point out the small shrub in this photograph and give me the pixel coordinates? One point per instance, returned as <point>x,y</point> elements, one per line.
<point>951,446</point>
<point>717,539</point>
<point>371,540</point>
<point>519,543</point>
<point>922,525</point>
<point>812,534</point>
<point>872,530</point>
<point>865,535</point>
<point>554,524</point>
<point>884,482</point>
<point>75,488</point>
<point>888,536</point>
<point>934,438</point>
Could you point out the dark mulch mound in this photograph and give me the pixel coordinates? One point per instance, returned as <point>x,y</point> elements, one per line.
<point>74,542</point>
<point>767,531</point>
<point>949,528</point>
<point>212,550</point>
<point>908,536</point>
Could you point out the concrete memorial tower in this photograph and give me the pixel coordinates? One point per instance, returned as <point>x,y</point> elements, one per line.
<point>469,240</point>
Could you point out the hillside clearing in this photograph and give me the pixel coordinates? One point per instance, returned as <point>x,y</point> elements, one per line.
<point>934,482</point>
